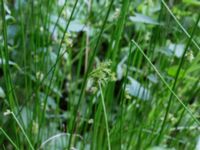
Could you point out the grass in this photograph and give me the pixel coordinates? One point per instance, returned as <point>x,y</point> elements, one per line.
<point>105,116</point>
<point>83,75</point>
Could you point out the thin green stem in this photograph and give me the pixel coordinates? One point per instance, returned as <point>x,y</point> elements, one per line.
<point>179,24</point>
<point>123,92</point>
<point>7,136</point>
<point>22,129</point>
<point>57,60</point>
<point>5,61</point>
<point>119,30</point>
<point>94,52</point>
<point>176,80</point>
<point>105,116</point>
<point>166,84</point>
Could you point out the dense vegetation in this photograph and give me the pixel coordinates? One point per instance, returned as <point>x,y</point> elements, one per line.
<point>99,74</point>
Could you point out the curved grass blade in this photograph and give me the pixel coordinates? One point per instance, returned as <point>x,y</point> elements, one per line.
<point>91,60</point>
<point>176,79</point>
<point>166,84</point>
<point>20,126</point>
<point>179,24</point>
<point>57,60</point>
<point>105,116</point>
<point>7,136</point>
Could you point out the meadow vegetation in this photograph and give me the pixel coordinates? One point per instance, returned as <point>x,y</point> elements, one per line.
<point>100,74</point>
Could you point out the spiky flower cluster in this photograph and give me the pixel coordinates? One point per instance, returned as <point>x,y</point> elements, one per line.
<point>102,74</point>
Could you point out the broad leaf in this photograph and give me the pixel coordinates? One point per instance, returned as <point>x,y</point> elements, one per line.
<point>143,19</point>
<point>137,90</point>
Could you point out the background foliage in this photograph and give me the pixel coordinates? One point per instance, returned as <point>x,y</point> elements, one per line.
<point>99,74</point>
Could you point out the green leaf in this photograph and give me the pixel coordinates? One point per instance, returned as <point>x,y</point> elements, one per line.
<point>177,49</point>
<point>172,71</point>
<point>143,19</point>
<point>193,68</point>
<point>2,62</point>
<point>10,18</point>
<point>137,90</point>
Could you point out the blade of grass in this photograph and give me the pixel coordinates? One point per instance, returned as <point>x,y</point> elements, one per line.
<point>87,49</point>
<point>176,79</point>
<point>7,136</point>
<point>57,60</point>
<point>119,30</point>
<point>130,55</point>
<point>105,116</point>
<point>91,60</point>
<point>5,58</point>
<point>179,24</point>
<point>57,20</point>
<point>166,84</point>
<point>20,126</point>
<point>55,137</point>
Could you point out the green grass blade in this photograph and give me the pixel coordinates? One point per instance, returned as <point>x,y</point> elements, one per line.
<point>91,60</point>
<point>119,30</point>
<point>105,116</point>
<point>179,24</point>
<point>166,84</point>
<point>7,136</point>
<point>57,60</point>
<point>8,112</point>
<point>176,79</point>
